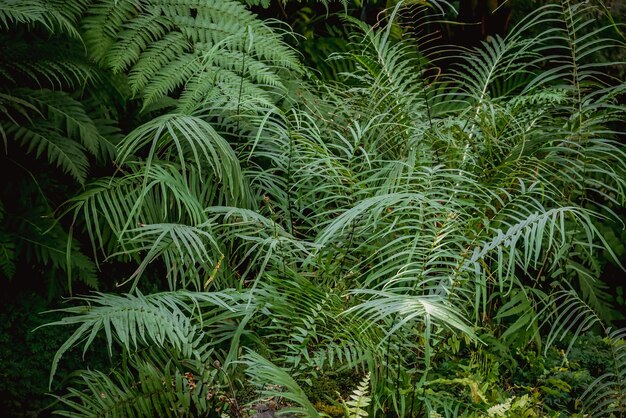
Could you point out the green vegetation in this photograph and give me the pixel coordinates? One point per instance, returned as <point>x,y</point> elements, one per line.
<point>341,209</point>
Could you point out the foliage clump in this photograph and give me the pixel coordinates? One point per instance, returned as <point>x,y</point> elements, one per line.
<point>431,223</point>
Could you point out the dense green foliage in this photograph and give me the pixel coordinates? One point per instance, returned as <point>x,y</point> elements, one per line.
<point>381,226</point>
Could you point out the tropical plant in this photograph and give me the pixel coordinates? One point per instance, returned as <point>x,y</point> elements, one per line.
<point>373,222</point>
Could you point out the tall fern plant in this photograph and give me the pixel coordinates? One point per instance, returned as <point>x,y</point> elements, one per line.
<point>53,113</point>
<point>305,226</point>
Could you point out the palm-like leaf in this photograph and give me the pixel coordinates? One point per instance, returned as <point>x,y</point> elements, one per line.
<point>191,139</point>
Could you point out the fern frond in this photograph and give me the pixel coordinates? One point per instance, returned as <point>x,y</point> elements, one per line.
<point>155,390</point>
<point>112,206</point>
<point>52,14</point>
<point>201,45</point>
<point>132,321</point>
<point>263,373</point>
<point>70,115</point>
<point>46,139</point>
<point>190,139</point>
<point>186,251</point>
<point>359,399</point>
<point>605,396</point>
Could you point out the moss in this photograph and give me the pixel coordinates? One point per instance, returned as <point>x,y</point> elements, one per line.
<point>330,410</point>
<point>332,385</point>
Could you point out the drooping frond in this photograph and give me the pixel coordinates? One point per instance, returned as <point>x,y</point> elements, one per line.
<point>37,66</point>
<point>111,206</point>
<point>46,141</point>
<point>570,315</point>
<point>189,253</point>
<point>155,390</point>
<point>430,309</point>
<point>133,321</point>
<point>71,116</point>
<point>188,138</point>
<point>261,371</point>
<point>52,14</point>
<point>59,130</point>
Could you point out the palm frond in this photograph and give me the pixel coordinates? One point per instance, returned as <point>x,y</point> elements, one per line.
<point>132,321</point>
<point>112,206</point>
<point>190,139</point>
<point>189,253</point>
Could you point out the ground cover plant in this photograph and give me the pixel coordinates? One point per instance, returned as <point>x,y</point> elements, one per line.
<point>365,222</point>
